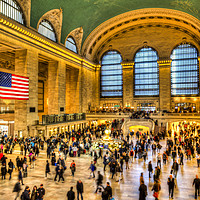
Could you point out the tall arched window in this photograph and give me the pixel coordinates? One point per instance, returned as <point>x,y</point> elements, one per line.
<point>184,70</point>
<point>11,9</point>
<point>45,28</point>
<point>111,75</point>
<point>71,44</point>
<point>146,72</point>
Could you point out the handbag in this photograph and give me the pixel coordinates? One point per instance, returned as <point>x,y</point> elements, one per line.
<point>155,194</point>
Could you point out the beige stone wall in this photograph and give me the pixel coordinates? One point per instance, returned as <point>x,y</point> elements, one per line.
<point>87,97</point>
<point>26,64</point>
<point>72,90</point>
<point>165,84</point>
<point>128,80</point>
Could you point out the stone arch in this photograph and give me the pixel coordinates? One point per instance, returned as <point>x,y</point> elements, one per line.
<point>77,35</point>
<point>55,18</point>
<point>138,19</point>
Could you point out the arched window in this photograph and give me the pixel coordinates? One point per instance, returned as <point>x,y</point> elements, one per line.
<point>11,9</point>
<point>111,75</point>
<point>71,44</point>
<point>146,72</point>
<point>184,70</point>
<point>45,28</point>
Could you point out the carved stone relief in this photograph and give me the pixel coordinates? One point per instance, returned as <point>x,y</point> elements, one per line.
<point>26,7</point>
<point>7,65</point>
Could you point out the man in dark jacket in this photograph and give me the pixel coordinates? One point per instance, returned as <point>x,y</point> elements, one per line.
<point>71,194</point>
<point>79,187</point>
<point>57,172</point>
<point>41,192</point>
<point>171,184</point>
<point>143,191</point>
<point>196,183</point>
<point>99,181</point>
<point>175,167</point>
<point>150,169</point>
<point>27,193</point>
<point>47,169</point>
<point>3,171</point>
<point>108,189</point>
<point>17,189</point>
<point>20,176</point>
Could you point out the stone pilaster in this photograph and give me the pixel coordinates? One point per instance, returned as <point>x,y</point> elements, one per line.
<point>97,85</point>
<point>53,88</point>
<point>128,68</point>
<point>165,83</point>
<point>61,86</point>
<point>26,64</point>
<point>56,87</point>
<point>72,90</point>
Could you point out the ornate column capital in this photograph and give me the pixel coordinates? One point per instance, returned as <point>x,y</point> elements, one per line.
<point>127,64</point>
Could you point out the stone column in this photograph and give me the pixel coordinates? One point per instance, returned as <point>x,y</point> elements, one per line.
<point>56,87</point>
<point>128,79</point>
<point>165,84</point>
<point>52,88</point>
<point>97,85</point>
<point>26,64</point>
<point>72,90</point>
<point>61,86</point>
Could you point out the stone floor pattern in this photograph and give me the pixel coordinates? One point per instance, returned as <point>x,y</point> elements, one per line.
<point>126,189</point>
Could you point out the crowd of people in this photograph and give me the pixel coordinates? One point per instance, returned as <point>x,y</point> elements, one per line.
<point>182,145</point>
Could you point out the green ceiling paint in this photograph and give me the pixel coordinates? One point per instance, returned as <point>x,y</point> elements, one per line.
<point>91,13</point>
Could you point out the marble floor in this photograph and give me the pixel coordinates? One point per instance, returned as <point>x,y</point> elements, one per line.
<point>127,189</point>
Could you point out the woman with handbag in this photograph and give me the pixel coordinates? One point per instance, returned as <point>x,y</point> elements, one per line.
<point>156,188</point>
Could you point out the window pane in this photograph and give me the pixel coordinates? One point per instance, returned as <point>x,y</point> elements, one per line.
<point>111,75</point>
<point>45,28</point>
<point>184,71</point>
<point>11,9</point>
<point>71,44</point>
<point>146,73</point>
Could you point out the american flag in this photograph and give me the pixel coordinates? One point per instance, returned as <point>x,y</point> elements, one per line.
<point>13,86</point>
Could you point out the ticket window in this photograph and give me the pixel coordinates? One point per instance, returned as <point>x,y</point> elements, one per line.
<point>185,107</point>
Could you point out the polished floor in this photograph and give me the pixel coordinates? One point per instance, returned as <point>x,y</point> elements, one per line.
<point>127,189</point>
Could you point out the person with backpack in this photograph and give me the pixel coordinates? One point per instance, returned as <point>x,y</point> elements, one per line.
<point>73,167</point>
<point>143,191</point>
<point>99,181</point>
<point>17,189</point>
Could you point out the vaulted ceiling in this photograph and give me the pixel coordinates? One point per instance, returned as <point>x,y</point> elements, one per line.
<point>91,13</point>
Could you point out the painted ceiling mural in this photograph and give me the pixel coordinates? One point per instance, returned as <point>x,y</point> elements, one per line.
<point>91,13</point>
